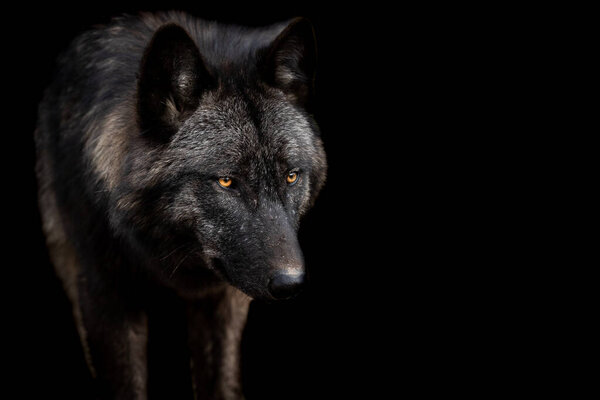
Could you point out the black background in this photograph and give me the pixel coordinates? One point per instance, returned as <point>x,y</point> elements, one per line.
<point>386,308</point>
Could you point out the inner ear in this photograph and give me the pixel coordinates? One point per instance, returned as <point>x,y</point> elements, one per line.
<point>290,61</point>
<point>171,80</point>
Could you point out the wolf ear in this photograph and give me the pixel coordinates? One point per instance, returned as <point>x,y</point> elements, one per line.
<point>172,77</point>
<point>290,61</point>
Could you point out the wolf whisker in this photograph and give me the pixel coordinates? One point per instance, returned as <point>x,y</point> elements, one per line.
<point>178,264</point>
<point>173,251</point>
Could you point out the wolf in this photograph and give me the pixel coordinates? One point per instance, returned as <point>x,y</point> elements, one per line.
<point>178,153</point>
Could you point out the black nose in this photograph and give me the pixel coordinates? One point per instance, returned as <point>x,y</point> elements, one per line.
<point>283,286</point>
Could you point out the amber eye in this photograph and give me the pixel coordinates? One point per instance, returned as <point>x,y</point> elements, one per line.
<point>225,181</point>
<point>292,177</point>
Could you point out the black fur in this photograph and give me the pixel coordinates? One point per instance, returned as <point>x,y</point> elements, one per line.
<point>142,119</point>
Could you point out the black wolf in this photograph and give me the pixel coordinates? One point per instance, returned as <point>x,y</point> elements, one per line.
<point>178,152</point>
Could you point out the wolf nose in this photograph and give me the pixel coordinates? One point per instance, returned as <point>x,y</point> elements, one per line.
<point>286,285</point>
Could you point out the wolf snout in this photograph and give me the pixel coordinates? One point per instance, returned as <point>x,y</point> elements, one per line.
<point>285,285</point>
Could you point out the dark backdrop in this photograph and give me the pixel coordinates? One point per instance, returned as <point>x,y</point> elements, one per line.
<point>382,312</point>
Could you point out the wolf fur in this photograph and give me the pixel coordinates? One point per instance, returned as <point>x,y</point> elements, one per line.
<point>142,119</point>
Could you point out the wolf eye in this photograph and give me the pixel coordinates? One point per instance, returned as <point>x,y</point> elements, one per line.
<point>292,177</point>
<point>225,181</point>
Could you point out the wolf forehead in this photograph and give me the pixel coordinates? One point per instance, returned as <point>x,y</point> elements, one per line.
<point>233,129</point>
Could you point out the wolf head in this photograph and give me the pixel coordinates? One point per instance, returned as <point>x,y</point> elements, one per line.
<point>228,157</point>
